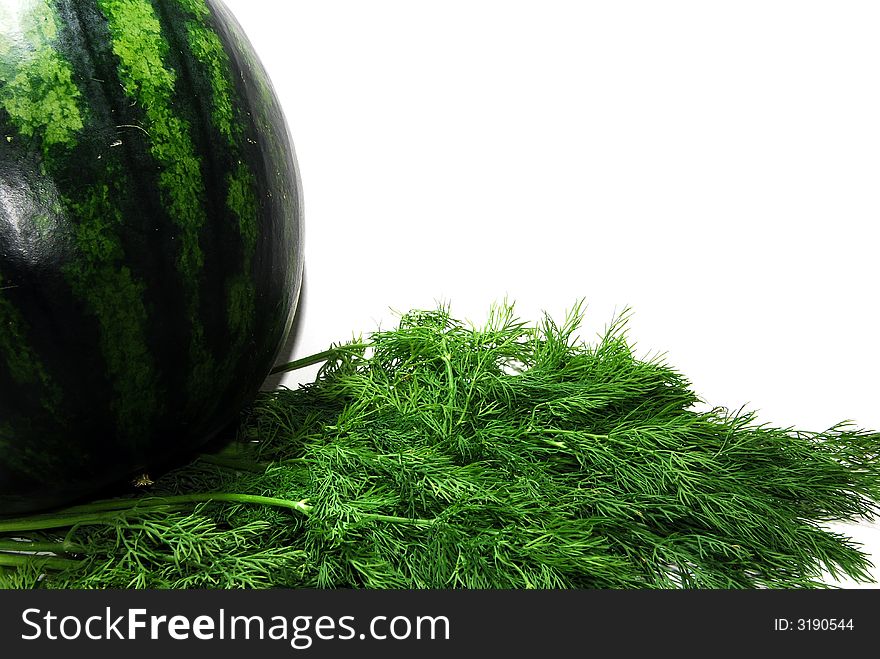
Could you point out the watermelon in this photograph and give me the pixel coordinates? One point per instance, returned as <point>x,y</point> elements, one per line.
<point>150,238</point>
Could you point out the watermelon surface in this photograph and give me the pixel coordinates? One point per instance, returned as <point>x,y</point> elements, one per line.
<point>150,238</point>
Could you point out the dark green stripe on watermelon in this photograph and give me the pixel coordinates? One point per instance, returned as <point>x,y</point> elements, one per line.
<point>33,397</point>
<point>247,133</point>
<point>215,78</point>
<point>22,363</point>
<point>42,118</point>
<point>96,271</point>
<point>153,238</point>
<point>149,238</point>
<point>151,81</point>
<point>273,163</point>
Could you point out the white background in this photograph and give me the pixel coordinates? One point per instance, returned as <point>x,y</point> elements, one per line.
<point>712,165</point>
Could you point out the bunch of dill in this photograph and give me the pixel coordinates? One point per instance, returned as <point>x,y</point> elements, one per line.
<point>442,455</point>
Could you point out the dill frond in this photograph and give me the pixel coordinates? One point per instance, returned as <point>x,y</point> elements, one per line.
<point>443,455</point>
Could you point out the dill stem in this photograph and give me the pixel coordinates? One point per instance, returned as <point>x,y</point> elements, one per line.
<point>121,505</point>
<point>46,562</point>
<point>391,519</point>
<point>576,433</point>
<point>299,506</point>
<point>64,520</point>
<point>556,444</point>
<point>450,388</point>
<point>102,512</point>
<point>318,358</point>
<point>28,546</point>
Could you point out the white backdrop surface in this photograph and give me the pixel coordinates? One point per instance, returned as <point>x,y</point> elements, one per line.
<point>713,166</point>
